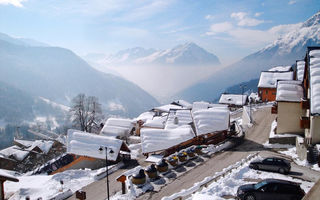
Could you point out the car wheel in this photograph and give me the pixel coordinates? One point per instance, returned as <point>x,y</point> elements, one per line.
<point>281,171</point>
<point>250,197</point>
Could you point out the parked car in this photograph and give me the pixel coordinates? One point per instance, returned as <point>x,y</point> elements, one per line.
<point>272,164</point>
<point>274,189</point>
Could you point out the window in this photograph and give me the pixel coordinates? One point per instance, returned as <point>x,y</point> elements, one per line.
<point>266,91</point>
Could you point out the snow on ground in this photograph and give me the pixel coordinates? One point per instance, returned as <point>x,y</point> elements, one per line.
<point>229,183</point>
<point>291,152</point>
<point>48,186</point>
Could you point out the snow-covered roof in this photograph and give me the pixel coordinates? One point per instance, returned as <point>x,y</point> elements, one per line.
<point>269,79</point>
<point>300,70</point>
<point>166,108</point>
<point>44,145</point>
<point>211,120</point>
<point>145,116</point>
<point>183,103</point>
<point>280,69</point>
<point>233,99</point>
<point>88,144</point>
<point>315,81</point>
<point>25,143</point>
<point>200,105</point>
<point>159,139</point>
<point>117,127</point>
<point>9,175</point>
<point>254,96</point>
<point>156,122</point>
<point>178,118</point>
<point>291,91</point>
<point>14,151</point>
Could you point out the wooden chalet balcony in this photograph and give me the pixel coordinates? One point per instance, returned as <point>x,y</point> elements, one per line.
<point>305,122</point>
<point>274,109</point>
<point>305,104</point>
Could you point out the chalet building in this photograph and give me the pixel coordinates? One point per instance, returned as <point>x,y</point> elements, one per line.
<point>289,111</point>
<point>233,100</point>
<point>89,150</point>
<point>267,86</point>
<point>311,120</point>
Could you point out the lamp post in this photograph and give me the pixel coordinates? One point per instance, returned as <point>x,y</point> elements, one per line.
<point>111,152</point>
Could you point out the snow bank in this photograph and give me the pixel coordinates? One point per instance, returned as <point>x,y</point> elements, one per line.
<point>87,144</point>
<point>315,81</point>
<point>159,139</point>
<point>291,91</point>
<point>233,99</point>
<point>269,79</point>
<point>184,104</point>
<point>211,120</point>
<point>167,108</point>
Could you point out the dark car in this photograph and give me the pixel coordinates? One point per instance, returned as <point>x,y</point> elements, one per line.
<point>272,164</point>
<point>273,189</point>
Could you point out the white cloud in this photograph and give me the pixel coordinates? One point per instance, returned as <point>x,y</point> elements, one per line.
<point>244,20</point>
<point>17,3</point>
<point>220,28</point>
<point>291,2</point>
<point>209,17</point>
<point>258,14</point>
<point>250,37</point>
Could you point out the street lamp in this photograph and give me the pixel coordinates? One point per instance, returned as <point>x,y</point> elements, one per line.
<point>111,153</point>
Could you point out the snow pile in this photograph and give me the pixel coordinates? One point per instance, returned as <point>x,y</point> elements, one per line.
<point>178,118</point>
<point>280,69</point>
<point>269,79</point>
<point>117,127</point>
<point>315,81</point>
<point>300,70</point>
<point>156,122</point>
<point>211,120</point>
<point>233,99</point>
<point>15,152</point>
<point>289,91</point>
<point>159,139</point>
<point>47,187</point>
<point>87,144</point>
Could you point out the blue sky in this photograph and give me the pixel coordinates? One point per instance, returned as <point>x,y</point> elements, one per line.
<point>230,29</point>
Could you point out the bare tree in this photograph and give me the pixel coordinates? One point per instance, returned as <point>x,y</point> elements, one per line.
<point>86,113</point>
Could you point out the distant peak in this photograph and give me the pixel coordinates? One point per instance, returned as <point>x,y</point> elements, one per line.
<point>314,20</point>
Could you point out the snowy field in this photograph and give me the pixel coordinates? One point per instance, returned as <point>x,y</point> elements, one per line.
<point>227,184</point>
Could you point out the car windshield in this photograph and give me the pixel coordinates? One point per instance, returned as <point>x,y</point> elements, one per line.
<point>260,184</point>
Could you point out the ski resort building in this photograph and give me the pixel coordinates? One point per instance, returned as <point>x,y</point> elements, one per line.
<point>289,97</point>
<point>311,121</point>
<point>233,100</point>
<point>267,86</point>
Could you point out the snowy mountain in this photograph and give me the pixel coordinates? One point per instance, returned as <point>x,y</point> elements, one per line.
<point>284,51</point>
<point>57,74</point>
<point>188,54</point>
